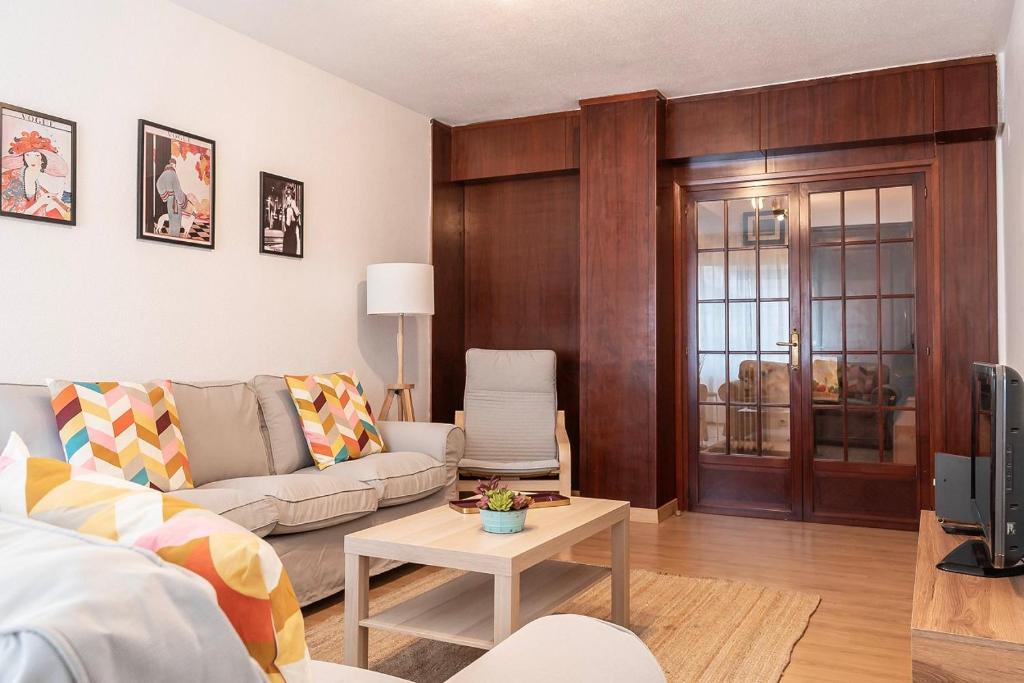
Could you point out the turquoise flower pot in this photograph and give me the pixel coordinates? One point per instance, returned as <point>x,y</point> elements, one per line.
<point>510,522</point>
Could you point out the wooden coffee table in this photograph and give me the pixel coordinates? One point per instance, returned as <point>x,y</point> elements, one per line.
<point>512,579</point>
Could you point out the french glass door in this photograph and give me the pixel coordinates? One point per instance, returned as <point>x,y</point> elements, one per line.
<point>804,344</point>
<point>865,365</point>
<point>744,312</point>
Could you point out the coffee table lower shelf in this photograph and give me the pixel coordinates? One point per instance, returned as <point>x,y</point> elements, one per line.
<point>462,611</point>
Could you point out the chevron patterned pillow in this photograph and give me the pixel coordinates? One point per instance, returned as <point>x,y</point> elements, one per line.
<point>251,584</point>
<point>336,417</point>
<point>124,430</point>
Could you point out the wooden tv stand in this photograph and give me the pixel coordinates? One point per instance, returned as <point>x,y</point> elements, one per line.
<point>964,628</point>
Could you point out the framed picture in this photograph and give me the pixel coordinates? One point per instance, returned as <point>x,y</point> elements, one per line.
<point>825,385</point>
<point>774,232</point>
<point>177,171</point>
<point>282,211</point>
<point>37,166</point>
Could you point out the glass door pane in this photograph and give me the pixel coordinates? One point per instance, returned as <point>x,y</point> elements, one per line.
<point>743,315</point>
<point>862,325</point>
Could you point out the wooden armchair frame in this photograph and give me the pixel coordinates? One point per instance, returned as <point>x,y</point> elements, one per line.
<point>563,484</point>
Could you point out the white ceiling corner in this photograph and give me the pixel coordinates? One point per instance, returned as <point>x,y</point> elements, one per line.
<point>462,61</point>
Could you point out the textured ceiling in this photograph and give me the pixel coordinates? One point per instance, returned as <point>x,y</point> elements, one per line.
<point>471,60</point>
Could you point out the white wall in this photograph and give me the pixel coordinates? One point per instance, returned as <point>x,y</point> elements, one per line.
<point>93,302</point>
<point>1011,191</point>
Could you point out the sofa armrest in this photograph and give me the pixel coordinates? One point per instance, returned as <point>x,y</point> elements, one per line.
<point>443,442</point>
<point>588,650</point>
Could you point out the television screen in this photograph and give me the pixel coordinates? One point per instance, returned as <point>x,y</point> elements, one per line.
<point>997,450</point>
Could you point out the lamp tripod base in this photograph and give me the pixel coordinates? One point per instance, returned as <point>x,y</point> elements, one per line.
<point>403,393</point>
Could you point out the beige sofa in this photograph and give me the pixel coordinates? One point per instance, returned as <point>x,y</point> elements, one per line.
<point>250,463</point>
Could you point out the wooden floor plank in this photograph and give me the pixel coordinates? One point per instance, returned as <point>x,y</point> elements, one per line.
<point>865,577</point>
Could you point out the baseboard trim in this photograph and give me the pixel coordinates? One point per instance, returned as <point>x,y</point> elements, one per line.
<point>653,515</point>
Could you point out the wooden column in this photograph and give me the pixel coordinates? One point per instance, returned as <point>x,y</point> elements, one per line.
<point>623,453</point>
<point>448,324</point>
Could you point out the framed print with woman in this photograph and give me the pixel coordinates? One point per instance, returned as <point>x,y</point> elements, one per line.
<point>282,215</point>
<point>37,166</point>
<point>177,172</point>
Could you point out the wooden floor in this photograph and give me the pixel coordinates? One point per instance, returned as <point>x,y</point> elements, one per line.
<point>865,577</point>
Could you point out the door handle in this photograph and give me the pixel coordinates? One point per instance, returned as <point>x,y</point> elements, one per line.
<point>794,349</point>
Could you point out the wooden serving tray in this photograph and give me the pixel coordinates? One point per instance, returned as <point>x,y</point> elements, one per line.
<point>545,499</point>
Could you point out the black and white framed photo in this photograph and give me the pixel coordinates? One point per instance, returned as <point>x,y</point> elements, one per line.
<point>37,166</point>
<point>281,215</point>
<point>771,224</point>
<point>177,172</point>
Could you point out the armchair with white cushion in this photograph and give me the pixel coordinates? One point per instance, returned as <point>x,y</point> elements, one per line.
<point>513,427</point>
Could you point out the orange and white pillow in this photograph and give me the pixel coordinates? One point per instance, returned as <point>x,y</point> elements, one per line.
<point>336,417</point>
<point>123,429</point>
<point>251,584</point>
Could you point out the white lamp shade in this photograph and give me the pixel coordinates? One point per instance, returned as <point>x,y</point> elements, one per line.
<point>400,288</point>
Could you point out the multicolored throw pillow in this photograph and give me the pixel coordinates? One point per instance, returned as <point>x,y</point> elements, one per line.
<point>252,586</point>
<point>336,417</point>
<point>124,430</point>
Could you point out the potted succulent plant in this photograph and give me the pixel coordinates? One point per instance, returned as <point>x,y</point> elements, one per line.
<point>502,510</point>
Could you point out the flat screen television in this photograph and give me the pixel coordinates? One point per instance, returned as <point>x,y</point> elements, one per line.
<point>997,474</point>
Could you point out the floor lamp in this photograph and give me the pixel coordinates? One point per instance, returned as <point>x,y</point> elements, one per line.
<point>400,289</point>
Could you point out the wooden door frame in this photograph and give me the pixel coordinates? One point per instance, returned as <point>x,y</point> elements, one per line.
<point>685,258</point>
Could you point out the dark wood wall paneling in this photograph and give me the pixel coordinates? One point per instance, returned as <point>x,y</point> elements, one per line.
<point>447,364</point>
<point>944,99</point>
<point>619,321</point>
<point>967,272</point>
<point>710,125</point>
<point>668,320</point>
<point>533,144</point>
<point>875,107</point>
<point>522,274</point>
<point>627,224</point>
<point>506,245</point>
<point>966,101</point>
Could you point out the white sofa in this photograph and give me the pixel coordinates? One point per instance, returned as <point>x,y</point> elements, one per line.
<point>250,463</point>
<point>124,614</point>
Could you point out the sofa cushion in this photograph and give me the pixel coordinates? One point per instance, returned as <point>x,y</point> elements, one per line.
<point>221,425</point>
<point>123,429</point>
<point>315,560</point>
<point>397,477</point>
<point>26,409</point>
<point>253,511</point>
<point>308,500</point>
<point>336,417</point>
<point>288,449</point>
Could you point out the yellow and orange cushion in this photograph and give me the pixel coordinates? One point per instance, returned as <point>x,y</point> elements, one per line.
<point>123,429</point>
<point>250,582</point>
<point>336,417</point>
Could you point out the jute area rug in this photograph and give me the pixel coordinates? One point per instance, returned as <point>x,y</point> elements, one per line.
<point>699,629</point>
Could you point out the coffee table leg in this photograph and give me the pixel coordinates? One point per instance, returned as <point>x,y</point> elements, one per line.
<point>506,606</point>
<point>357,608</point>
<point>620,573</point>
